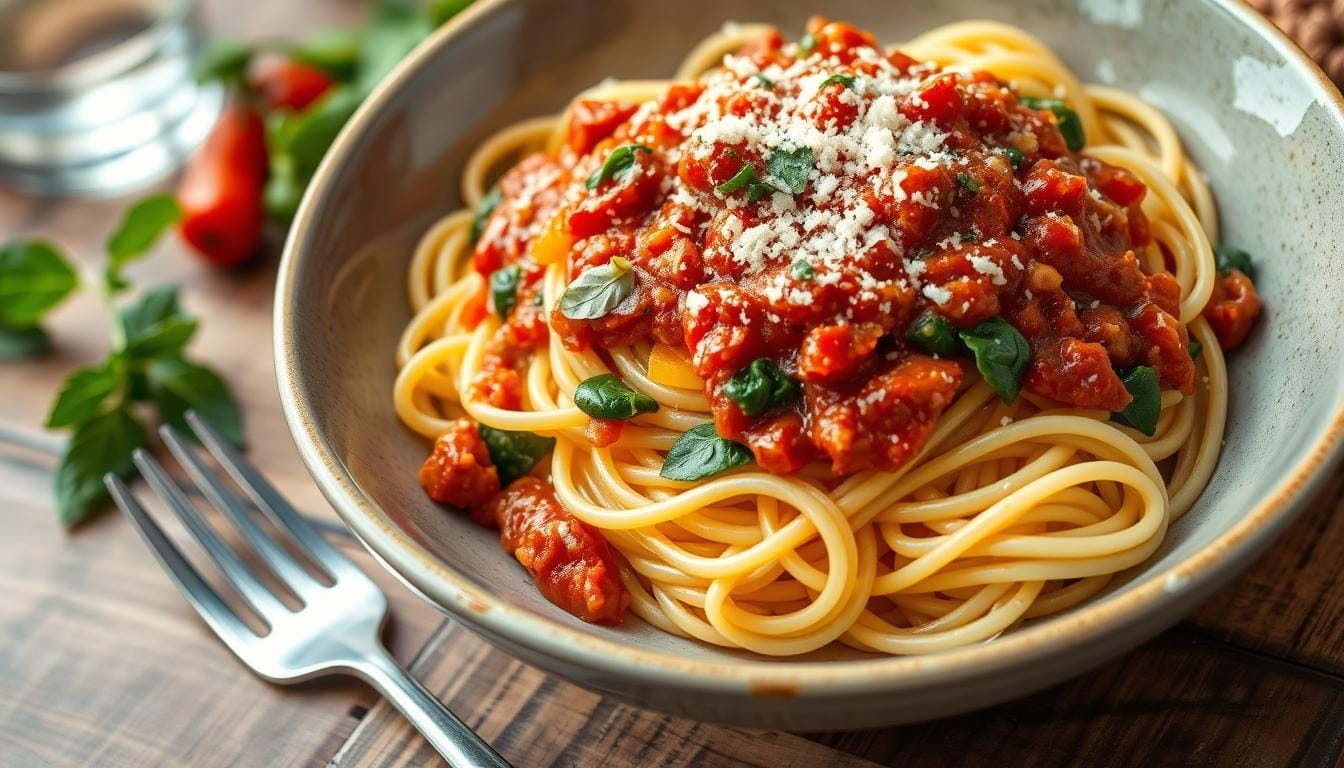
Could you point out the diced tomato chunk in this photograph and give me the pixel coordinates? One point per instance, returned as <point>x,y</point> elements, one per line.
<point>459,471</point>
<point>592,121</point>
<point>1076,372</point>
<point>1232,309</point>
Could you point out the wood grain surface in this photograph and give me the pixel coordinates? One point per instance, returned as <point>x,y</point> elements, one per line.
<point>102,663</point>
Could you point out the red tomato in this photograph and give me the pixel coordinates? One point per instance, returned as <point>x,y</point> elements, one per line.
<point>220,191</point>
<point>284,83</point>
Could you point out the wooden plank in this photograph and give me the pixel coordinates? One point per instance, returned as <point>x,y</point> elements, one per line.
<point>534,719</point>
<point>1183,699</point>
<point>1291,604</point>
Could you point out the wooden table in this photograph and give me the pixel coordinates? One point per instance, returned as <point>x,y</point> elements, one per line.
<point>103,663</point>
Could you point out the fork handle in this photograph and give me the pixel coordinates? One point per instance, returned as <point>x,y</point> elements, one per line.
<point>450,737</point>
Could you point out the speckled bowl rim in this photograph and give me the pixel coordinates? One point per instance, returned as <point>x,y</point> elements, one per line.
<point>456,595</point>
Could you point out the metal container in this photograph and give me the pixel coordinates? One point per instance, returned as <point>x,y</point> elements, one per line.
<point>97,97</point>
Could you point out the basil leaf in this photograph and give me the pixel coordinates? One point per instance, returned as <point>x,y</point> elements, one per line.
<point>598,290</point>
<point>33,279</point>
<point>394,31</point>
<point>488,205</point>
<point>701,453</point>
<point>789,167</point>
<point>283,191</point>
<point>745,177</point>
<point>967,182</point>
<point>1228,257</point>
<point>1143,411</point>
<point>334,51</point>
<point>807,43</point>
<point>764,81</point>
<point>223,60</point>
<point>619,161</point>
<point>100,446</point>
<point>1014,155</point>
<point>760,387</point>
<point>802,270</point>
<point>504,289</point>
<point>304,137</point>
<point>177,386</point>
<point>140,229</point>
<point>514,453</point>
<point>1196,349</point>
<point>441,11</point>
<point>17,343</point>
<point>845,80</point>
<point>607,397</point>
<point>1070,126</point>
<point>83,394</point>
<point>155,326</point>
<point>932,333</point>
<point>1001,355</point>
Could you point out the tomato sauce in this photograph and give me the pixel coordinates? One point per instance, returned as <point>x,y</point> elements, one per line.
<point>807,206</point>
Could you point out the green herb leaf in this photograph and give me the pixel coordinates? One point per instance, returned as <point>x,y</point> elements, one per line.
<point>1196,349</point>
<point>177,386</point>
<point>932,333</point>
<point>598,290</point>
<point>787,169</point>
<point>802,270</point>
<point>620,161</point>
<point>488,205</point>
<point>807,43</point>
<point>1068,122</point>
<point>283,191</point>
<point>1143,411</point>
<point>155,326</point>
<point>701,453</point>
<point>1014,155</point>
<point>394,31</point>
<point>1228,257</point>
<point>504,289</point>
<point>141,227</point>
<point>334,51</point>
<point>970,237</point>
<point>1001,355</point>
<point>760,387</point>
<point>83,394</point>
<point>441,11</point>
<point>223,60</point>
<point>18,343</point>
<point>764,81</point>
<point>920,254</point>
<point>33,279</point>
<point>304,137</point>
<point>101,445</point>
<point>607,397</point>
<point>514,453</point>
<point>745,178</point>
<point>845,80</point>
<point>967,182</point>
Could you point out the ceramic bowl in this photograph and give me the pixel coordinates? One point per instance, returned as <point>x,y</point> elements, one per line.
<point>1260,119</point>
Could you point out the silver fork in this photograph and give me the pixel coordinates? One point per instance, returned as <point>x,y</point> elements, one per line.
<point>337,629</point>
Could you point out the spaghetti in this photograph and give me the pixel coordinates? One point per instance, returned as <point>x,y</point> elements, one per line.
<point>957,517</point>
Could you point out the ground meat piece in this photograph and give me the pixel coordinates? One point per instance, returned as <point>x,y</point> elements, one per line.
<point>570,561</point>
<point>1076,372</point>
<point>459,471</point>
<point>1233,308</point>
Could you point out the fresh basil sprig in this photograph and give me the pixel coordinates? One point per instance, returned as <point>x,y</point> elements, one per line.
<point>607,397</point>
<point>701,453</point>
<point>34,278</point>
<point>1229,257</point>
<point>786,171</point>
<point>1001,355</point>
<point>760,387</point>
<point>619,162</point>
<point>1068,122</point>
<point>1196,349</point>
<point>146,364</point>
<point>1146,406</point>
<point>968,182</point>
<point>598,290</point>
<point>932,333</point>
<point>504,288</point>
<point>514,453</point>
